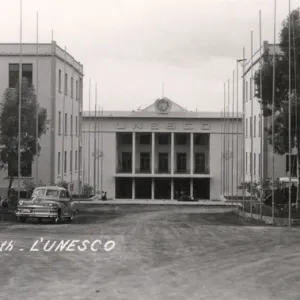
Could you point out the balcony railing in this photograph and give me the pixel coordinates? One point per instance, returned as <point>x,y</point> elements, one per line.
<point>124,170</point>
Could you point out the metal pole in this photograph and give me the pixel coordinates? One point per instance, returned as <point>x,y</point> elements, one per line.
<point>89,136</point>
<point>37,99</point>
<point>72,140</point>
<point>237,131</point>
<point>273,111</point>
<point>98,153</point>
<point>102,123</point>
<point>224,142</point>
<point>80,88</point>
<point>20,104</point>
<point>232,139</point>
<point>244,109</point>
<point>261,121</point>
<point>251,128</point>
<point>221,187</point>
<point>228,141</point>
<point>95,139</point>
<point>290,113</point>
<point>64,122</point>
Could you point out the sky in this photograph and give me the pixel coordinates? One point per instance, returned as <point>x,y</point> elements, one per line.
<point>131,47</point>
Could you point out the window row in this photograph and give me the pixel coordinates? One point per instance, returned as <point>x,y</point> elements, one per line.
<point>255,166</point>
<point>165,139</point>
<point>250,89</point>
<point>65,121</point>
<point>255,129</point>
<point>66,85</point>
<point>65,162</point>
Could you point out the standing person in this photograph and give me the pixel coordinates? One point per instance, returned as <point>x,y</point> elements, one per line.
<point>104,196</point>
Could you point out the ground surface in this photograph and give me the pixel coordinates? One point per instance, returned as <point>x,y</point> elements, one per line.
<point>160,253</point>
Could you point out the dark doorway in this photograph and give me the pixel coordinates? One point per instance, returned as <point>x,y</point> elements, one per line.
<point>181,185</point>
<point>201,188</point>
<point>163,162</point>
<point>162,188</point>
<point>123,188</point>
<point>143,188</point>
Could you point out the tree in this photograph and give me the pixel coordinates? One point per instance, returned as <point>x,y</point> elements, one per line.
<point>9,120</point>
<point>264,75</point>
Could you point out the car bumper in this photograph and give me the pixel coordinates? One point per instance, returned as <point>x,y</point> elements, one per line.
<point>36,214</point>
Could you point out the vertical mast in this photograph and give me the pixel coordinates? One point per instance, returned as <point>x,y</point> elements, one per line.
<point>20,105</point>
<point>37,101</point>
<point>251,128</point>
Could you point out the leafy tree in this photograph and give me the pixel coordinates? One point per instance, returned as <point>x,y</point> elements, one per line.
<point>281,107</point>
<point>9,116</point>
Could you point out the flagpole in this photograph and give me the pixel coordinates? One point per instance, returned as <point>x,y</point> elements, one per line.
<point>251,128</point>
<point>20,104</point>
<point>237,131</point>
<point>102,123</point>
<point>221,187</point>
<point>228,140</point>
<point>64,121</point>
<point>224,142</point>
<point>232,140</point>
<point>95,139</point>
<point>244,118</point>
<point>72,139</point>
<point>98,152</point>
<point>273,111</point>
<point>89,135</point>
<point>290,112</point>
<point>37,99</point>
<point>80,103</point>
<point>261,121</point>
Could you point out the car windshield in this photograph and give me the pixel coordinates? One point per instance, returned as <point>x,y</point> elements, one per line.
<point>52,193</point>
<point>39,193</point>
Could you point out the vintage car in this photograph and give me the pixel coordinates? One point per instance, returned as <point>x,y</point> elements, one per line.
<point>47,202</point>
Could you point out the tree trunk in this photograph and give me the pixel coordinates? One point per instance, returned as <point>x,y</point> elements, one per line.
<point>11,179</point>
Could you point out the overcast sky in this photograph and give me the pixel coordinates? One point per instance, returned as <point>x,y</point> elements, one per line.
<point>129,47</point>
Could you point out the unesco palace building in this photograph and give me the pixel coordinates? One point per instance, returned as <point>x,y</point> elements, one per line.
<point>154,153</point>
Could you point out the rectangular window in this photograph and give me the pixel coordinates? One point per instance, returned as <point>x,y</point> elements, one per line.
<point>199,163</point>
<point>126,162</point>
<point>251,164</point>
<point>76,160</point>
<point>145,139</point>
<point>246,163</point>
<point>72,87</point>
<point>76,125</point>
<point>71,161</point>
<point>254,129</point>
<point>246,91</point>
<point>65,162</point>
<point>163,139</point>
<point>13,75</point>
<point>294,165</point>
<point>163,162</point>
<point>59,80</point>
<point>126,139</point>
<point>76,90</point>
<point>251,88</point>
<point>66,124</point>
<point>58,163</point>
<point>66,84</point>
<point>145,162</point>
<point>246,133</point>
<point>259,125</point>
<point>201,139</point>
<point>59,122</point>
<point>259,165</point>
<point>71,124</point>
<point>181,163</point>
<point>250,124</point>
<point>181,139</point>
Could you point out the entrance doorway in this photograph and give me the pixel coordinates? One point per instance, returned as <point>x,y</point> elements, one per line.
<point>162,188</point>
<point>123,188</point>
<point>201,188</point>
<point>143,188</point>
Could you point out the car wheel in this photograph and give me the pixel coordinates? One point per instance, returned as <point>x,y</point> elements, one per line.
<point>22,219</point>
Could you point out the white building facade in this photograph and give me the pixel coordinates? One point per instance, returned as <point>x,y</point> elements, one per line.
<point>58,80</point>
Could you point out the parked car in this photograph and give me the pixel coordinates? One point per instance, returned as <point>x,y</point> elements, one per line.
<point>47,202</point>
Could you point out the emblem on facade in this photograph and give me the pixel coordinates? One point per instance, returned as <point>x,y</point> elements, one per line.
<point>163,105</point>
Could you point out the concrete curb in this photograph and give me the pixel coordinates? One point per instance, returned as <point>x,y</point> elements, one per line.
<point>267,219</point>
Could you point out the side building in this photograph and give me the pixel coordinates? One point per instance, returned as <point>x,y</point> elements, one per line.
<point>58,81</point>
<point>154,153</point>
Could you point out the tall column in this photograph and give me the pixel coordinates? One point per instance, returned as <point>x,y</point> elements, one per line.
<point>152,189</point>
<point>191,188</point>
<point>172,188</point>
<point>153,153</point>
<point>133,188</point>
<point>192,153</point>
<point>133,152</point>
<point>172,153</point>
